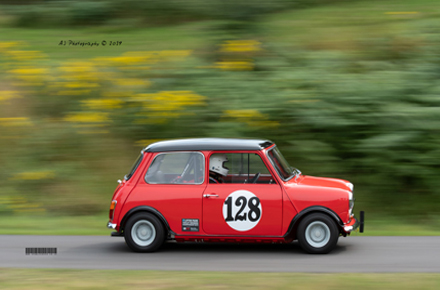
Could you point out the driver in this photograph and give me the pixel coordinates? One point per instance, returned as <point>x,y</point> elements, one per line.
<point>217,168</point>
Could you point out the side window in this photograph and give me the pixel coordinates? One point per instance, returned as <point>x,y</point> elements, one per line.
<point>176,168</point>
<point>238,168</point>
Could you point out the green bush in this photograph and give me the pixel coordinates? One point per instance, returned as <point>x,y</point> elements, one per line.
<point>27,16</point>
<point>90,12</point>
<point>153,12</point>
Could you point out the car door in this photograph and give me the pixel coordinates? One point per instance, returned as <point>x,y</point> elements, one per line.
<point>246,202</point>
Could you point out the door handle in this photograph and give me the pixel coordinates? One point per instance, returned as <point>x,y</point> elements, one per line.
<point>210,195</point>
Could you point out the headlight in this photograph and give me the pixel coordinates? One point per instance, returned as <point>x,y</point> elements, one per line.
<point>350,203</point>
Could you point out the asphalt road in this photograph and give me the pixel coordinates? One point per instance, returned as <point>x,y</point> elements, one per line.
<point>353,254</point>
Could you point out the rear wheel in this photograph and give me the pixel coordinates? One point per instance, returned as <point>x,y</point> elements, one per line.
<point>144,233</point>
<point>317,234</point>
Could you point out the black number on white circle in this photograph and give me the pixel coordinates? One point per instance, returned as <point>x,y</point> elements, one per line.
<point>241,201</point>
<point>254,211</point>
<point>254,202</point>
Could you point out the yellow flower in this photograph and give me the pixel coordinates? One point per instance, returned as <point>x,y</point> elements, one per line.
<point>79,70</point>
<point>73,92</point>
<point>243,114</point>
<point>34,175</point>
<point>17,121</point>
<point>27,84</point>
<point>76,85</point>
<point>165,105</point>
<point>165,115</point>
<point>235,65</point>
<point>25,54</point>
<point>31,78</point>
<point>30,75</point>
<point>240,46</point>
<point>7,45</point>
<point>102,104</point>
<point>21,204</point>
<point>12,199</point>
<point>87,118</point>
<point>174,100</point>
<point>132,82</point>
<point>129,60</point>
<point>7,95</point>
<point>77,67</point>
<point>252,118</point>
<point>29,71</point>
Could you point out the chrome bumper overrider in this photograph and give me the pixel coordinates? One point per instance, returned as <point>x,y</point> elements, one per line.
<point>352,227</point>
<point>357,224</point>
<point>111,226</point>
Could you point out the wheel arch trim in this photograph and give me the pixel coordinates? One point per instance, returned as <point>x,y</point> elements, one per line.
<point>291,231</point>
<point>149,209</point>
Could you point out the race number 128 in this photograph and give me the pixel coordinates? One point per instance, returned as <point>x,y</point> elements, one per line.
<point>242,210</point>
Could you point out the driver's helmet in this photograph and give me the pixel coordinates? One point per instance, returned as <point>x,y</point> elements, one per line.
<point>216,164</point>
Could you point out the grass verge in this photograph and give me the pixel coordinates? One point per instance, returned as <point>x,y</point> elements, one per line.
<point>56,225</point>
<point>108,279</point>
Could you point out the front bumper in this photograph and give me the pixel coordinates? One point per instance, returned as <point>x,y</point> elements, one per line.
<point>354,224</point>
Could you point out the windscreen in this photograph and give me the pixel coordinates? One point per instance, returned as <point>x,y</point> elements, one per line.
<point>281,165</point>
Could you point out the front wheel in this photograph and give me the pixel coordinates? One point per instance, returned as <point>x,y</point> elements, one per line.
<point>317,234</point>
<point>144,233</point>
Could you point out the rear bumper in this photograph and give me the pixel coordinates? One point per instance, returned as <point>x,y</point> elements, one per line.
<point>113,226</point>
<point>355,224</point>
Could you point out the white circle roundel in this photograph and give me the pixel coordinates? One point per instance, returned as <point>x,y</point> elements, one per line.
<point>242,210</point>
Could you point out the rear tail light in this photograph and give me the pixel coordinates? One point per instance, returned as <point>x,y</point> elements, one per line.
<point>112,209</point>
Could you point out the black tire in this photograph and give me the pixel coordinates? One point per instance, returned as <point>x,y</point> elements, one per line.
<point>317,234</point>
<point>144,233</point>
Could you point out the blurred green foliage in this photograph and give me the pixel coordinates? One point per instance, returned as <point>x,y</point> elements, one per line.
<point>361,104</point>
<point>150,12</point>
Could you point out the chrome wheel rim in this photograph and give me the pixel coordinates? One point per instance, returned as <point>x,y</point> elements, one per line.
<point>317,234</point>
<point>143,233</point>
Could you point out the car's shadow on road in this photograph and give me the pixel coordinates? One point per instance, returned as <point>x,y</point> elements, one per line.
<point>230,247</point>
<point>192,247</point>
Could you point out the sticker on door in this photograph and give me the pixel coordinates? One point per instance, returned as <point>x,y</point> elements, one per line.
<point>242,210</point>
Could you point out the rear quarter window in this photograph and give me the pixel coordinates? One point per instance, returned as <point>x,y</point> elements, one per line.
<point>177,168</point>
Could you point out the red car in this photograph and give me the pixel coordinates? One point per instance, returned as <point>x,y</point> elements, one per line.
<point>228,190</point>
